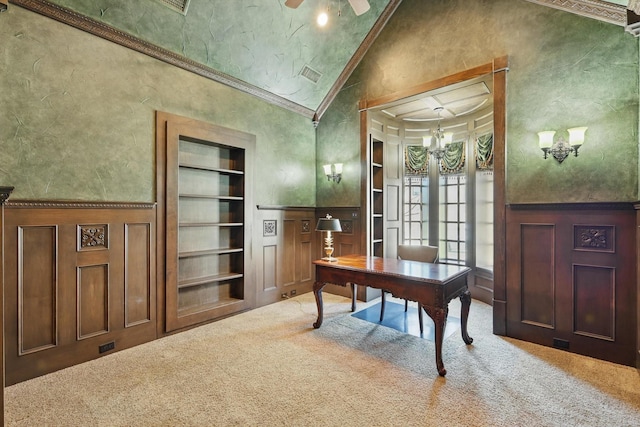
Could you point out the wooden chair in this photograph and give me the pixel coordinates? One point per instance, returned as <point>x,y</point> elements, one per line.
<point>413,253</point>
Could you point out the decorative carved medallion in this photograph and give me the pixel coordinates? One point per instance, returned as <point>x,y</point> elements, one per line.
<point>594,238</point>
<point>306,226</point>
<point>347,226</point>
<point>93,236</point>
<point>270,228</point>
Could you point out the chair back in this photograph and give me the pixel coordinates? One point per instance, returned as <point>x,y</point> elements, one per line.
<point>418,253</point>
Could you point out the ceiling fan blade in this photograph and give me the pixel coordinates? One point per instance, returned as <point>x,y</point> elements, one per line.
<point>359,6</point>
<point>293,3</point>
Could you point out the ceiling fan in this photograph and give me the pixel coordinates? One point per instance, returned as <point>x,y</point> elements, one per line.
<point>358,6</point>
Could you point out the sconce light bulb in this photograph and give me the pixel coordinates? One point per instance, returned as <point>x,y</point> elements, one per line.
<point>338,167</point>
<point>327,169</point>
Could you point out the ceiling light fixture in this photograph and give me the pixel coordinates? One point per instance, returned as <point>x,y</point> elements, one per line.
<point>322,19</point>
<point>438,143</point>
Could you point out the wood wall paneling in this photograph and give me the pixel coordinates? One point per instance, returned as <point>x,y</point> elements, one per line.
<point>572,278</point>
<point>93,300</point>
<point>4,195</point>
<point>345,243</point>
<point>37,288</point>
<point>594,289</point>
<point>287,241</point>
<point>537,278</point>
<point>139,247</point>
<point>78,276</point>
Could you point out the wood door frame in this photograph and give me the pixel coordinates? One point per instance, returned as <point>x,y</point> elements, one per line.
<point>498,67</point>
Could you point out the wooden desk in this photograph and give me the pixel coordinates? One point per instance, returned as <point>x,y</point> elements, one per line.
<point>432,285</point>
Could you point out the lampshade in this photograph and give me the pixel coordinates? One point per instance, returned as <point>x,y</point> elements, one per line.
<point>328,224</point>
<point>576,136</point>
<point>546,138</point>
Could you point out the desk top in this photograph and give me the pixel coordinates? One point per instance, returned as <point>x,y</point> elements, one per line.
<point>412,270</point>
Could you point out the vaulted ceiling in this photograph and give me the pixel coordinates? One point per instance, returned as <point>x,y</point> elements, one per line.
<point>259,46</point>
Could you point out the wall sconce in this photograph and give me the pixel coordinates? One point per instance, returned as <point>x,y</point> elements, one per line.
<point>560,149</point>
<point>442,139</point>
<point>328,224</point>
<point>333,172</point>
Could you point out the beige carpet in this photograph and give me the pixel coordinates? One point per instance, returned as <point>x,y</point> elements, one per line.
<point>269,367</point>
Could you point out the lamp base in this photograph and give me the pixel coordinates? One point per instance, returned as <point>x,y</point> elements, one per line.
<point>329,258</point>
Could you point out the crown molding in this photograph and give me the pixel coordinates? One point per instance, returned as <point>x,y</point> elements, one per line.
<point>596,9</point>
<point>107,32</point>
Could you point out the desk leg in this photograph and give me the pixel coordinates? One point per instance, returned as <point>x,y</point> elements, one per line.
<point>317,291</point>
<point>465,299</point>
<point>353,296</point>
<point>439,317</point>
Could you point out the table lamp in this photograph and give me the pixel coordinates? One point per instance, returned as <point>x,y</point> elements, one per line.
<point>328,224</point>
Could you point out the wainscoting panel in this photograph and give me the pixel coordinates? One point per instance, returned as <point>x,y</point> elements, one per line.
<point>37,292</point>
<point>93,300</point>
<point>571,278</point>
<point>285,244</point>
<point>594,290</point>
<point>139,244</point>
<point>79,283</point>
<point>538,279</point>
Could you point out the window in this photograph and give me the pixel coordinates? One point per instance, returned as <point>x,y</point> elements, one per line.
<point>457,216</point>
<point>452,203</point>
<point>416,210</point>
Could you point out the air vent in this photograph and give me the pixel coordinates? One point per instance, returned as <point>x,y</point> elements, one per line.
<point>310,74</point>
<point>177,5</point>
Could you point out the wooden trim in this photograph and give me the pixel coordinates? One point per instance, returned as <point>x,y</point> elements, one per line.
<point>285,208</point>
<point>53,204</point>
<point>357,57</point>
<point>4,195</point>
<point>596,9</point>
<point>364,176</point>
<point>91,26</point>
<point>609,206</point>
<point>428,86</point>
<point>500,68</point>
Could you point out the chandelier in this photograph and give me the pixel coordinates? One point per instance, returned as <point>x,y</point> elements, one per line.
<point>438,143</point>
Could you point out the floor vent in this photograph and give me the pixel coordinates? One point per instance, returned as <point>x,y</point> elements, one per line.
<point>310,74</point>
<point>177,5</point>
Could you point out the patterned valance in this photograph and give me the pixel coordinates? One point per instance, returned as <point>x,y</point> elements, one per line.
<point>453,161</point>
<point>484,152</point>
<point>416,160</point>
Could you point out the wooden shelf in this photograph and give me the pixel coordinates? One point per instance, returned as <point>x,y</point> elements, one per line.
<point>211,168</point>
<point>197,281</point>
<point>210,224</point>
<point>212,196</point>
<point>191,254</point>
<point>209,306</point>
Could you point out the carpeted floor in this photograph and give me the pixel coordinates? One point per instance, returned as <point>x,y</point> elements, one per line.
<point>269,367</point>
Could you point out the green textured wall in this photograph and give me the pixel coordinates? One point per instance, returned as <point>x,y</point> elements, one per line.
<point>565,71</point>
<point>77,119</point>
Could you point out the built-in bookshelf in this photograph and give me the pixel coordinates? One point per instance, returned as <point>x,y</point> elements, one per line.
<point>207,197</point>
<point>377,197</point>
